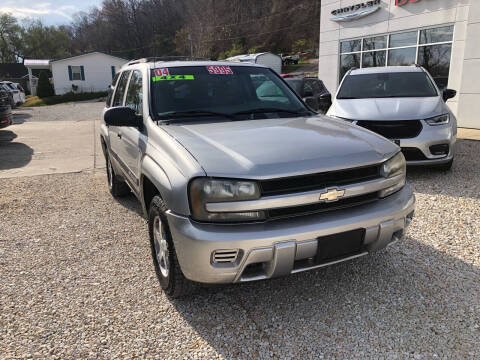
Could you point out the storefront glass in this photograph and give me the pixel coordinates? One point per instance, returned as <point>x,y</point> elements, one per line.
<point>430,48</point>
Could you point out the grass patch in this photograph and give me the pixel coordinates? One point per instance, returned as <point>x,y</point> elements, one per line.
<point>58,99</point>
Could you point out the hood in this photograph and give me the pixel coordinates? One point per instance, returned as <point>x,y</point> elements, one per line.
<point>259,149</point>
<point>389,109</point>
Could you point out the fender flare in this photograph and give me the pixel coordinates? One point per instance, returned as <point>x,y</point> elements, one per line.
<point>158,177</point>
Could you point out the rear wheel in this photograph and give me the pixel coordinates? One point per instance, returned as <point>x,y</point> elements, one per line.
<point>117,188</point>
<point>168,270</point>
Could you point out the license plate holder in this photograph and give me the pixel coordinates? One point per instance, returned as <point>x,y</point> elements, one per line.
<point>341,245</point>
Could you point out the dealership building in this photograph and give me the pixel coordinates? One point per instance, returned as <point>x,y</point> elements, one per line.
<point>441,35</point>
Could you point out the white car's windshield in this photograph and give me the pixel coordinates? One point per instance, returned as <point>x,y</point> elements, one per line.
<point>221,90</point>
<point>387,85</point>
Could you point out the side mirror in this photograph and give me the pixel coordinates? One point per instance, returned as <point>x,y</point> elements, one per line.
<point>326,97</point>
<point>448,94</point>
<point>122,116</point>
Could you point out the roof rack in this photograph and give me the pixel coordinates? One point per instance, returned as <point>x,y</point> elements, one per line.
<point>167,58</point>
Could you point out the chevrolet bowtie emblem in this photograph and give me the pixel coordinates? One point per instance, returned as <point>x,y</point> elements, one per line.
<point>332,195</point>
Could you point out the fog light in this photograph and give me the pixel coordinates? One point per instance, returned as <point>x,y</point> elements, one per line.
<point>439,149</point>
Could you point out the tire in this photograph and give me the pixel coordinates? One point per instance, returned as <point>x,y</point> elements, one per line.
<point>445,167</point>
<point>165,261</point>
<point>117,188</point>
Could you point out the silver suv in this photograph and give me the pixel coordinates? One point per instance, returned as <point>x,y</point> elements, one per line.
<point>239,180</point>
<point>404,104</point>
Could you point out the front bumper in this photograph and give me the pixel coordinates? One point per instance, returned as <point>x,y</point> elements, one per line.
<point>430,136</point>
<point>285,246</point>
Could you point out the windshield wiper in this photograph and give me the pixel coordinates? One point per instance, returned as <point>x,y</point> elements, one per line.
<point>172,115</point>
<point>271,110</point>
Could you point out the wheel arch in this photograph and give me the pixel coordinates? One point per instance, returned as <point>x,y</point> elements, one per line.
<point>153,181</point>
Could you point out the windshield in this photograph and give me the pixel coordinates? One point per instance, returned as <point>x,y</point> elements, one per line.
<point>217,90</point>
<point>387,85</point>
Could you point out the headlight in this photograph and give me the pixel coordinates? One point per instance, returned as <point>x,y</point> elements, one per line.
<point>395,166</point>
<point>438,120</point>
<point>207,190</point>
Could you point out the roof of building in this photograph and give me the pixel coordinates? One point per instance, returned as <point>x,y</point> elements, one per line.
<point>39,63</point>
<point>12,70</point>
<point>86,53</point>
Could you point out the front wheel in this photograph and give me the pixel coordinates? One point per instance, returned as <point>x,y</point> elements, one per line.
<point>168,270</point>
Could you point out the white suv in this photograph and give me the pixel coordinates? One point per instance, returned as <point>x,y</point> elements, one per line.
<point>17,94</point>
<point>403,104</point>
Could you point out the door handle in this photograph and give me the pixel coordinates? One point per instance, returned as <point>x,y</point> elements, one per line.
<point>119,135</point>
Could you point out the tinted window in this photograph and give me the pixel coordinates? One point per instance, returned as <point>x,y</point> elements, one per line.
<point>373,43</point>
<point>350,46</point>
<point>268,90</point>
<point>193,88</point>
<point>373,59</point>
<point>316,86</point>
<point>436,59</point>
<point>441,34</point>
<point>322,86</point>
<point>308,88</point>
<point>134,99</point>
<point>384,85</point>
<point>110,89</point>
<point>400,57</point>
<point>296,84</point>
<point>347,62</point>
<point>120,89</point>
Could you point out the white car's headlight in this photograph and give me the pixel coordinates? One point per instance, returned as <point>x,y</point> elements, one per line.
<point>208,190</point>
<point>438,120</point>
<point>394,167</point>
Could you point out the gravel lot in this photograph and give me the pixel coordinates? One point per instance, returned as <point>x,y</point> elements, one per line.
<point>73,111</point>
<point>78,282</point>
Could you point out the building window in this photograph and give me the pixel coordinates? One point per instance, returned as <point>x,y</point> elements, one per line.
<point>430,48</point>
<point>76,73</point>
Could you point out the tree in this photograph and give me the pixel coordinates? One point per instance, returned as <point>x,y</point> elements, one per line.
<point>10,39</point>
<point>45,42</point>
<point>44,88</point>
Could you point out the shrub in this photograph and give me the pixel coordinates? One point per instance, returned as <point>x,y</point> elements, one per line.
<point>44,88</point>
<point>68,97</point>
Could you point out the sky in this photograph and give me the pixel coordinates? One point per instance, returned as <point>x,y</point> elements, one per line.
<point>51,12</point>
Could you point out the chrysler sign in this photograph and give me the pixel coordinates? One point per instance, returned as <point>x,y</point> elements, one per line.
<point>356,11</point>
